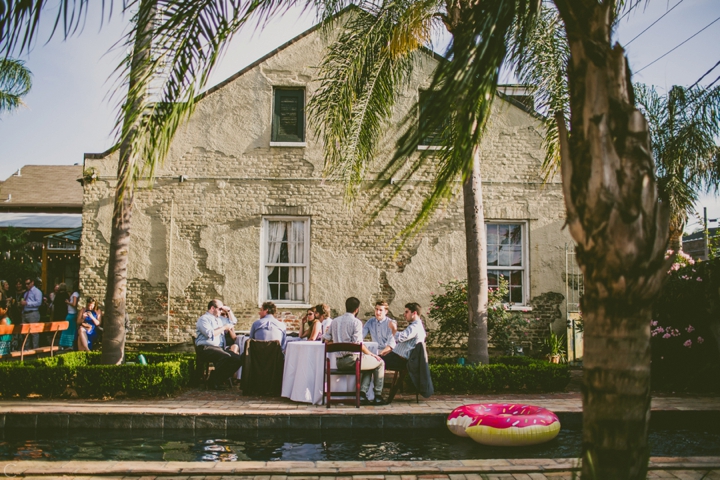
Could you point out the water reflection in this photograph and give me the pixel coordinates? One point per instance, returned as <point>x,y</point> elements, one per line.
<point>209,446</point>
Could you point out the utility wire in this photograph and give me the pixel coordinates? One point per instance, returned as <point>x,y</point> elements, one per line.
<point>656,21</point>
<point>678,46</point>
<point>705,75</point>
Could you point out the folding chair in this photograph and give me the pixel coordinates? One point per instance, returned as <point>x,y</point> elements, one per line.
<point>330,372</point>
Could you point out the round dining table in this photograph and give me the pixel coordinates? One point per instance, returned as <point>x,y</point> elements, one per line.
<point>303,372</point>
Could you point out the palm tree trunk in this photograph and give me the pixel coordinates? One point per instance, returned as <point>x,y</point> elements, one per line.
<point>115,297</point>
<point>621,229</point>
<point>476,253</point>
<point>675,243</point>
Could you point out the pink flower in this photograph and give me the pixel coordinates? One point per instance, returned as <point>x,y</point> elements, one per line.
<point>654,323</point>
<point>667,335</point>
<point>688,343</point>
<point>699,279</point>
<point>660,330</point>
<point>689,329</point>
<point>699,340</point>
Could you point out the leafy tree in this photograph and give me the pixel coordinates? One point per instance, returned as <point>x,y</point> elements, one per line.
<point>16,256</point>
<point>684,127</point>
<point>15,83</point>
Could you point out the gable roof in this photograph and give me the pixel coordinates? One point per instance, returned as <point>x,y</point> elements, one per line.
<point>43,188</point>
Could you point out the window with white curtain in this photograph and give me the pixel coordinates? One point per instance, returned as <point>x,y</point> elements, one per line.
<point>285,260</point>
<point>507,256</point>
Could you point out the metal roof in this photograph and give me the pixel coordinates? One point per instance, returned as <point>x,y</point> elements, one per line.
<point>40,220</point>
<point>73,235</point>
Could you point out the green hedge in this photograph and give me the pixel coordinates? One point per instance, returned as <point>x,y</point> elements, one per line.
<point>504,373</point>
<point>82,371</point>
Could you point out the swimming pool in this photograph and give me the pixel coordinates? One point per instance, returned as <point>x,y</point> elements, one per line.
<point>329,445</point>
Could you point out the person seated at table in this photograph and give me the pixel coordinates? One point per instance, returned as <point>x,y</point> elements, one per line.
<point>268,327</point>
<point>227,314</point>
<point>322,313</point>
<point>381,328</point>
<point>89,322</point>
<point>347,328</point>
<point>396,359</point>
<point>310,326</point>
<point>210,330</point>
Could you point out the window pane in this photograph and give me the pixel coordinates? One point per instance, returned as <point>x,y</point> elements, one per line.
<point>428,134</point>
<point>515,234</point>
<point>491,233</point>
<point>504,257</point>
<point>492,279</point>
<point>492,255</point>
<point>516,295</point>
<point>504,234</point>
<point>516,256</point>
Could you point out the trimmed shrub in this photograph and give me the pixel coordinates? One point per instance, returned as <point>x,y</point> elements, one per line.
<point>23,379</point>
<point>504,373</point>
<point>51,376</point>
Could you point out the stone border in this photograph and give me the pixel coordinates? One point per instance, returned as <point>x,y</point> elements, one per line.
<point>516,466</point>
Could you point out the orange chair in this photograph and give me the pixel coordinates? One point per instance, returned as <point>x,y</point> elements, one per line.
<point>329,372</point>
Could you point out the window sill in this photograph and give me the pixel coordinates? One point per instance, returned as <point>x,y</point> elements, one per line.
<point>429,147</point>
<point>289,144</point>
<point>296,306</point>
<point>520,308</point>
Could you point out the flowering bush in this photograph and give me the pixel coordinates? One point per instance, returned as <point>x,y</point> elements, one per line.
<point>684,353</point>
<point>449,312</point>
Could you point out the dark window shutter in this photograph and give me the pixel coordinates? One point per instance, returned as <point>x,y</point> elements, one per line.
<point>428,137</point>
<point>289,115</point>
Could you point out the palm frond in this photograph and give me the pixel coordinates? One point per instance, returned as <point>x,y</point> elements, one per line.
<point>360,80</point>
<point>187,39</point>
<point>684,125</point>
<point>20,20</point>
<point>542,63</point>
<point>460,99</point>
<point>15,83</point>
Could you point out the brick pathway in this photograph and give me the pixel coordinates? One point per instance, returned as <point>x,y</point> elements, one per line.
<point>193,402</point>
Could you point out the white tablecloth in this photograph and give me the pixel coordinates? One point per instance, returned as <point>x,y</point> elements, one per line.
<point>303,373</point>
<point>240,342</point>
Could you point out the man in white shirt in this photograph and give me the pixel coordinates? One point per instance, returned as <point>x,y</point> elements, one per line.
<point>407,339</point>
<point>211,329</point>
<point>347,328</point>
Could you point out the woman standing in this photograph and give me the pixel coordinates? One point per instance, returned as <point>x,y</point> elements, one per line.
<point>88,321</point>
<point>67,337</point>
<point>5,340</point>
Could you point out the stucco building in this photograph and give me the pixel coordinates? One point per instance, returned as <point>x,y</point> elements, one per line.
<point>241,211</point>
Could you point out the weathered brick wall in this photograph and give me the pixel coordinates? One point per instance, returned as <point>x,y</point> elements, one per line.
<point>200,239</point>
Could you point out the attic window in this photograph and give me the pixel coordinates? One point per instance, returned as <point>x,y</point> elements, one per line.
<point>288,120</point>
<point>430,139</point>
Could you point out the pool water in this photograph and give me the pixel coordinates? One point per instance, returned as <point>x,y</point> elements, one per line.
<point>434,444</point>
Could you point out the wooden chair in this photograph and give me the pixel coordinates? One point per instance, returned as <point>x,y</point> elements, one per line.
<point>330,372</point>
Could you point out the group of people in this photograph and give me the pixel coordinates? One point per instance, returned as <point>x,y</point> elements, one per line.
<point>394,346</point>
<point>27,304</point>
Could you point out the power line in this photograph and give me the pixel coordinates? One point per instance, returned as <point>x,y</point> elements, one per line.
<point>678,46</point>
<point>705,75</point>
<point>656,21</point>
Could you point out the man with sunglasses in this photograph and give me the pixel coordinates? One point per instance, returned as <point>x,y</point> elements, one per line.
<point>211,330</point>
<point>32,299</point>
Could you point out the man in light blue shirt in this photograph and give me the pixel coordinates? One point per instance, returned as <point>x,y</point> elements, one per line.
<point>268,327</point>
<point>211,328</point>
<point>407,339</point>
<point>381,329</point>
<point>32,299</point>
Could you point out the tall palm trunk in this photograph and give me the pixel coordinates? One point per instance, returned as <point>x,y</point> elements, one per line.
<point>621,232</point>
<point>116,294</point>
<point>476,252</point>
<point>474,215</point>
<point>676,231</point>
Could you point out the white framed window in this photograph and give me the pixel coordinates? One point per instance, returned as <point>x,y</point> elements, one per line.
<point>285,260</point>
<point>507,255</point>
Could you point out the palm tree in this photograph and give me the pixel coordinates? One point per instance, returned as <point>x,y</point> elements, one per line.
<point>684,126</point>
<point>15,83</point>
<point>613,210</point>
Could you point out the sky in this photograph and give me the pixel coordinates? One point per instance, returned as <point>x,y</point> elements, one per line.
<point>69,111</point>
